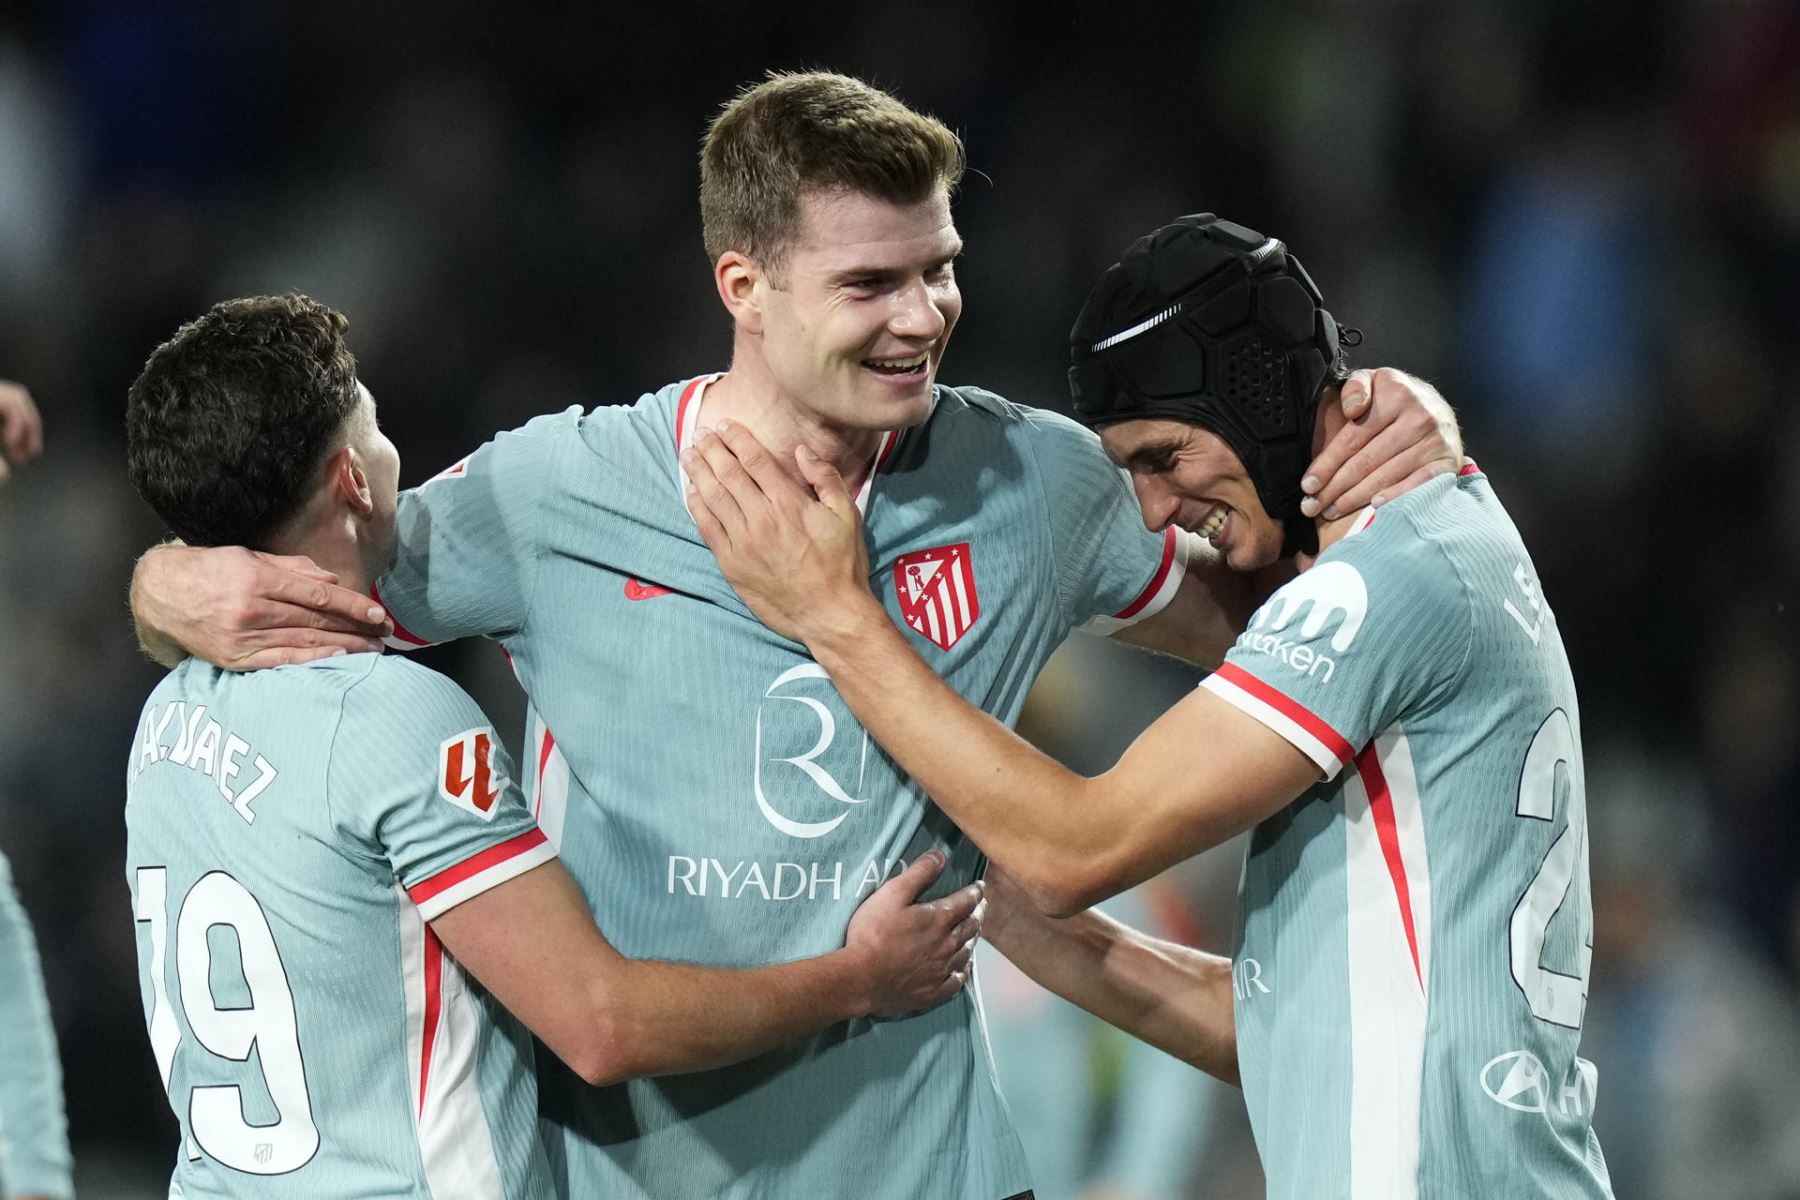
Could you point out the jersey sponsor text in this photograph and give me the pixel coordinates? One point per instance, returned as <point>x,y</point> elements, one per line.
<point>1247,979</point>
<point>716,879</point>
<point>1331,589</point>
<point>1519,1080</point>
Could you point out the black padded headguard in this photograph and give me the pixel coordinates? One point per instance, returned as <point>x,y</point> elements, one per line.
<point>1210,323</point>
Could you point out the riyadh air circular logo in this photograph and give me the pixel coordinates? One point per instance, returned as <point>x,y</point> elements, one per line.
<point>770,766</point>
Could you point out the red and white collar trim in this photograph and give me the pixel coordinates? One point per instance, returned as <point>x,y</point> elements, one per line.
<point>687,428</point>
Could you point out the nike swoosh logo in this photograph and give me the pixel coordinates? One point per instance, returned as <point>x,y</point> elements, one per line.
<point>644,591</point>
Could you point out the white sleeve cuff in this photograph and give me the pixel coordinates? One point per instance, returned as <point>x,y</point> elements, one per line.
<point>1296,724</point>
<point>477,873</point>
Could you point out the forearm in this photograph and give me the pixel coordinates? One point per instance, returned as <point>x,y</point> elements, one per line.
<point>532,942</point>
<point>664,1018</point>
<point>34,1152</point>
<point>152,640</point>
<point>1045,825</point>
<point>1174,997</point>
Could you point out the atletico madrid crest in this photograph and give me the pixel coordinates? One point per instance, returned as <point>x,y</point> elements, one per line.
<point>936,589</point>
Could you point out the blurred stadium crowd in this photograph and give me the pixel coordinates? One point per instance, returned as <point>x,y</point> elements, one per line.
<point>1582,220</point>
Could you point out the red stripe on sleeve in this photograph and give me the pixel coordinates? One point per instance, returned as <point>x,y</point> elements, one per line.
<point>1381,807</point>
<point>434,972</point>
<point>1329,737</point>
<point>543,761</point>
<point>1469,468</point>
<point>470,867</point>
<point>400,631</point>
<point>1156,582</point>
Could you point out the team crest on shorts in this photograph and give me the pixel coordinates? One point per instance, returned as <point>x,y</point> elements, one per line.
<point>936,588</point>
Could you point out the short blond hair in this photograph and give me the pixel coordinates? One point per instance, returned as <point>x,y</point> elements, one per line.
<point>794,133</point>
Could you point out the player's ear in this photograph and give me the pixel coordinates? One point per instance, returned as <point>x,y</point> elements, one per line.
<point>349,482</point>
<point>737,275</point>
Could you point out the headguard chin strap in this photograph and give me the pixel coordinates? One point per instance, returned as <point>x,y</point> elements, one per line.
<point>1208,322</point>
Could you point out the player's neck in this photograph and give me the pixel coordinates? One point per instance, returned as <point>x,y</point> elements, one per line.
<point>1333,531</point>
<point>333,550</point>
<point>754,401</point>
<point>1325,426</point>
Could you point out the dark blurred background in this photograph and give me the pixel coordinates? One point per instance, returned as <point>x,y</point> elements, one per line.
<point>1581,220</point>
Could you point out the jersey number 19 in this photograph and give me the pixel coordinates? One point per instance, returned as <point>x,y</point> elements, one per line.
<point>266,1025</point>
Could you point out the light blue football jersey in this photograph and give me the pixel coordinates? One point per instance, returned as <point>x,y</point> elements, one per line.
<point>34,1137</point>
<point>1415,932</point>
<point>712,794</point>
<point>289,835</point>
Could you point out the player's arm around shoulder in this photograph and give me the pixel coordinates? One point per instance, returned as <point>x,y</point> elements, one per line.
<point>1378,629</point>
<point>243,609</point>
<point>1209,606</point>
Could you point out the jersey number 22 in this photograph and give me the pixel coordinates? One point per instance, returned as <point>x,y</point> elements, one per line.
<point>1554,997</point>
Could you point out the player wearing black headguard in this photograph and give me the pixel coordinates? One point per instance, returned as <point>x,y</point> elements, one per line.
<point>1397,725</point>
<point>1236,341</point>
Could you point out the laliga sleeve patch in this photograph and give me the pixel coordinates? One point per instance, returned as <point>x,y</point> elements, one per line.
<point>467,776</point>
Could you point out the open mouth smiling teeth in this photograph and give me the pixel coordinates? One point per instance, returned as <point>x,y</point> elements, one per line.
<point>897,366</point>
<point>1215,521</point>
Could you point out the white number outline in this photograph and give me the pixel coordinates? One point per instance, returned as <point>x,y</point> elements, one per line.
<point>150,906</point>
<point>215,1112</point>
<point>1552,996</point>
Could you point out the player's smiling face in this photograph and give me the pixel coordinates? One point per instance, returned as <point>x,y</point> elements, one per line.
<point>866,304</point>
<point>1188,476</point>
